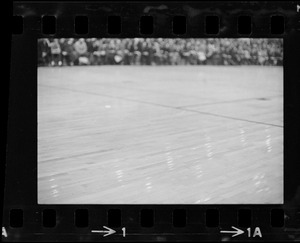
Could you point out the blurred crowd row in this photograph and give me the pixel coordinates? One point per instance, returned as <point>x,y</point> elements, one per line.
<point>159,51</point>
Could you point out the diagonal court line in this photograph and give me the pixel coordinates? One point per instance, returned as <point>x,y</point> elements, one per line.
<point>227,101</point>
<point>155,104</point>
<point>76,155</point>
<point>233,118</point>
<point>109,96</point>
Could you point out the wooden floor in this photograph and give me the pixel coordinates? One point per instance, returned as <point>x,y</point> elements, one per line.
<point>160,135</point>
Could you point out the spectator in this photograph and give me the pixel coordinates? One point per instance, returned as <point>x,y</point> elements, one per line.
<point>102,48</point>
<point>44,52</point>
<point>91,48</point>
<point>157,53</point>
<point>55,53</point>
<point>67,51</point>
<point>128,52</point>
<point>96,52</point>
<point>110,53</point>
<point>81,52</point>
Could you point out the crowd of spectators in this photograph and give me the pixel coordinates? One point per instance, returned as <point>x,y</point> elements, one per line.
<point>159,51</point>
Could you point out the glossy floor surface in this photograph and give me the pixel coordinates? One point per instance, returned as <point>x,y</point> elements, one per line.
<point>160,135</point>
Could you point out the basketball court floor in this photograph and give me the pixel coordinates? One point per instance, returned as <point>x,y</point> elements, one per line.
<point>160,135</point>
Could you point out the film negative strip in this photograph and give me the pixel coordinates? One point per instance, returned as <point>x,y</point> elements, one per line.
<point>146,121</point>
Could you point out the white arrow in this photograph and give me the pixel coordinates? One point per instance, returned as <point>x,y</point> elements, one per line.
<point>236,233</point>
<point>109,232</point>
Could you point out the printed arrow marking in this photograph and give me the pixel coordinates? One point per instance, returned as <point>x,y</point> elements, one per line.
<point>109,232</point>
<point>236,232</point>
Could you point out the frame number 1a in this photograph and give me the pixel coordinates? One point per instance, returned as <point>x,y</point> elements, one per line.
<point>257,232</point>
